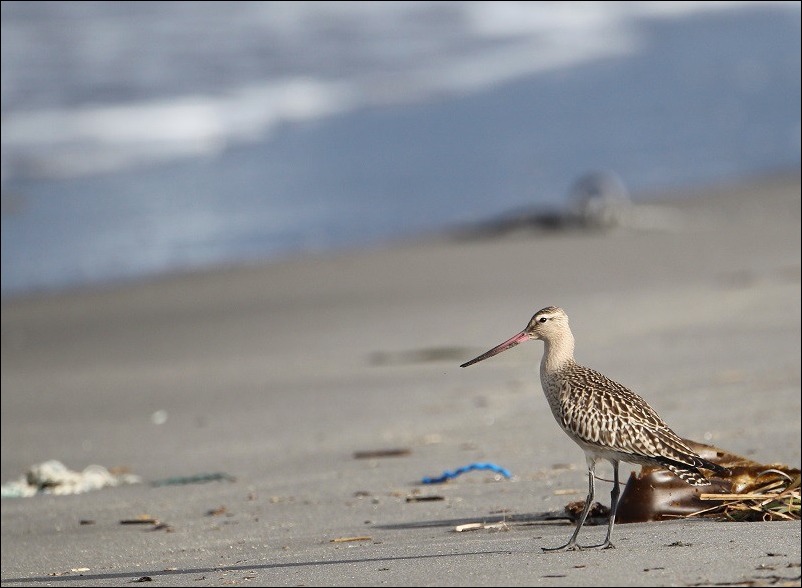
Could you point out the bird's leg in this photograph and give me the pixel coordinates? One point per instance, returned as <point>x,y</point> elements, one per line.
<point>572,545</point>
<point>614,494</point>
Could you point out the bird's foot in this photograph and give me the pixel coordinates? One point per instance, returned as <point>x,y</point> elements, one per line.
<point>606,545</point>
<point>576,547</point>
<point>570,546</point>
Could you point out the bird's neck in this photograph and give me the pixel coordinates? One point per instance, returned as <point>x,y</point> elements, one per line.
<point>557,353</point>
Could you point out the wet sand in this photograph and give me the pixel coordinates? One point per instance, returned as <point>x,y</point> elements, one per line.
<point>277,375</point>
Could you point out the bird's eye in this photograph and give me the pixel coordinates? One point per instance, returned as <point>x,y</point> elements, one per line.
<point>543,319</point>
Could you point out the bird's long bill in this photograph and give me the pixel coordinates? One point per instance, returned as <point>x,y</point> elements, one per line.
<point>509,343</point>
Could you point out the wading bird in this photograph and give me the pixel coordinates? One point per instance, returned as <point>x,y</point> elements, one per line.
<point>607,420</point>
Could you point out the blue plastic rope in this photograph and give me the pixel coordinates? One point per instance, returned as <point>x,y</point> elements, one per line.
<point>447,475</point>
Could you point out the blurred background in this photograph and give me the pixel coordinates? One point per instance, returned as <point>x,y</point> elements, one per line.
<point>140,138</point>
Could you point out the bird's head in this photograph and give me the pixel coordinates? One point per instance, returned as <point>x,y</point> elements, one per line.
<point>547,324</point>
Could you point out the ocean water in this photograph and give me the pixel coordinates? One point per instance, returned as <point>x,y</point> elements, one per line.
<point>140,138</point>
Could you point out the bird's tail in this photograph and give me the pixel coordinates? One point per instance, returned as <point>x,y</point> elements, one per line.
<point>691,474</point>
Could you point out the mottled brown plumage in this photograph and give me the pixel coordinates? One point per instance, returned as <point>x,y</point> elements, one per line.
<point>606,419</point>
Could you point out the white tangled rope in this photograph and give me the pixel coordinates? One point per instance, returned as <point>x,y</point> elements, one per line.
<point>53,477</point>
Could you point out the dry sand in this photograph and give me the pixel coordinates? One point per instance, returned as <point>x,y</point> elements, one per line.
<point>276,375</point>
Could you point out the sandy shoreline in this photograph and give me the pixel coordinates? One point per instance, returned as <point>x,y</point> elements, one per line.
<point>277,374</point>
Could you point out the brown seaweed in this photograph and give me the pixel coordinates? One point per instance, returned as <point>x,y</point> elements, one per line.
<point>750,492</point>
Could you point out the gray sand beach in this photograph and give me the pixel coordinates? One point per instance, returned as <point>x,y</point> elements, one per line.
<point>279,375</point>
